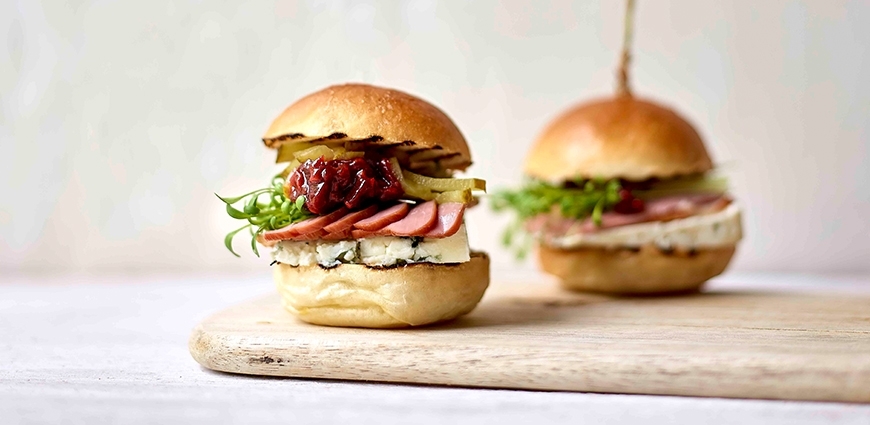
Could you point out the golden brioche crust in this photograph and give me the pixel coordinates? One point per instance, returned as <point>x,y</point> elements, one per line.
<point>617,137</point>
<point>371,114</point>
<point>355,295</point>
<point>648,270</point>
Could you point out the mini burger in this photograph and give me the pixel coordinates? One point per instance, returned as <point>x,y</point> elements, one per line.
<point>365,223</point>
<point>622,198</point>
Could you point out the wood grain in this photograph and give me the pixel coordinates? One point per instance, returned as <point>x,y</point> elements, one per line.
<point>718,344</point>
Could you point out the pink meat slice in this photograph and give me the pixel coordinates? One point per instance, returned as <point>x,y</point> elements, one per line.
<point>449,220</point>
<point>315,235</point>
<point>383,218</point>
<point>552,223</point>
<point>661,209</point>
<point>362,234</point>
<point>287,232</point>
<point>264,242</point>
<point>319,223</point>
<point>417,223</point>
<point>305,227</point>
<point>347,222</point>
<point>338,236</point>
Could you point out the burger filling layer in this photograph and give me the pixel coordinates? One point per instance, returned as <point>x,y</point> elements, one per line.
<point>711,230</point>
<point>689,212</point>
<point>382,251</point>
<point>332,206</point>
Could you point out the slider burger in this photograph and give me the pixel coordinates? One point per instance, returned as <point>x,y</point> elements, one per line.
<point>621,199</point>
<point>366,222</point>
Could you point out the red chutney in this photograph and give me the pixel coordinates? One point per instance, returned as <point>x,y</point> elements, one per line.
<point>628,204</point>
<point>329,184</point>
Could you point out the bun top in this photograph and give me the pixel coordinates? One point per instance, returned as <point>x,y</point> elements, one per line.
<point>618,137</point>
<point>374,116</point>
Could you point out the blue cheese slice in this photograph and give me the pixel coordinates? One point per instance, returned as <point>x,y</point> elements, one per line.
<point>719,229</point>
<point>377,251</point>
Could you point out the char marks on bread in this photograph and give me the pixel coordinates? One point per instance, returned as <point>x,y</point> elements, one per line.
<point>373,117</point>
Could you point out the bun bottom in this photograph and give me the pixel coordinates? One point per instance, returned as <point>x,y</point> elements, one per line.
<point>355,295</point>
<point>625,272</point>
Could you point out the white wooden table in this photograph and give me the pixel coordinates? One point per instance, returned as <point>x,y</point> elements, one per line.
<point>112,349</point>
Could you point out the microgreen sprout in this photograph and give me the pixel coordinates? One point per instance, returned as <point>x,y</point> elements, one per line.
<point>274,212</point>
<point>585,198</point>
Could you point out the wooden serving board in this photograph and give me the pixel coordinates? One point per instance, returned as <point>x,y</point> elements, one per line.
<point>535,336</point>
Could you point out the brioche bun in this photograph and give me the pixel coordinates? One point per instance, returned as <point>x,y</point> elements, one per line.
<point>623,271</point>
<point>373,114</point>
<point>356,295</point>
<point>619,137</point>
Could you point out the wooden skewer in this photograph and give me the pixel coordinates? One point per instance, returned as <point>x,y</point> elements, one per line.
<point>623,88</point>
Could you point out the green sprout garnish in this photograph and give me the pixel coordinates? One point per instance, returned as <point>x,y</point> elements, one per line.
<point>261,216</point>
<point>586,198</point>
<point>590,198</point>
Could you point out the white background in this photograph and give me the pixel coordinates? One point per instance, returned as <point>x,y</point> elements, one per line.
<point>118,120</point>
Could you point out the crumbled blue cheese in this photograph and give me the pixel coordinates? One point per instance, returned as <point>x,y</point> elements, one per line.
<point>296,253</point>
<point>386,250</point>
<point>701,231</point>
<point>447,250</point>
<point>377,251</point>
<point>333,254</point>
